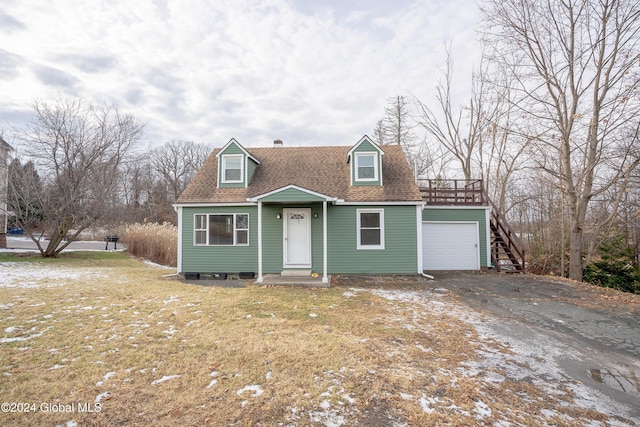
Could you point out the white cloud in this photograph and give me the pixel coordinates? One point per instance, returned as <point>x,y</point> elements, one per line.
<point>253,70</point>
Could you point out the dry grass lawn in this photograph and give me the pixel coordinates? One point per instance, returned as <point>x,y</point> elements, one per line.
<point>105,333</point>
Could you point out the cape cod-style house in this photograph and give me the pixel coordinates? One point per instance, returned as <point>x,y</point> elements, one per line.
<point>324,210</point>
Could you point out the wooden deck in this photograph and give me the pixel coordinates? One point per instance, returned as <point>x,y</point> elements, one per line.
<point>507,251</point>
<point>444,192</point>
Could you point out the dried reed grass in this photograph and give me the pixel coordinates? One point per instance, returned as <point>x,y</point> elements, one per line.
<point>152,241</point>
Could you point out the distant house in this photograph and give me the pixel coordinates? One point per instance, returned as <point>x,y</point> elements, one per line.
<point>4,182</point>
<point>325,210</point>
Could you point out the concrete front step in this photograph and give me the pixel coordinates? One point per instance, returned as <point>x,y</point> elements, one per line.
<point>296,273</point>
<point>307,281</point>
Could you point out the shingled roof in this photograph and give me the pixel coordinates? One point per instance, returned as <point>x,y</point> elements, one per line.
<point>320,169</point>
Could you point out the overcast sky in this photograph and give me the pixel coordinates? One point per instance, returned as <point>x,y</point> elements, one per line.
<point>307,72</point>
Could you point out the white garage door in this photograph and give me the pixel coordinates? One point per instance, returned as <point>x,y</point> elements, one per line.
<point>450,246</point>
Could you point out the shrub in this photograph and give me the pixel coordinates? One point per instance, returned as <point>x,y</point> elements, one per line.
<point>616,269</point>
<point>618,275</point>
<point>152,241</point>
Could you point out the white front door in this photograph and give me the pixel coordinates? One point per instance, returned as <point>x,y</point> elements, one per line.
<point>296,232</point>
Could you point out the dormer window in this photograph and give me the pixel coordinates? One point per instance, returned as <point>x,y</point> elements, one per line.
<point>366,166</point>
<point>232,170</point>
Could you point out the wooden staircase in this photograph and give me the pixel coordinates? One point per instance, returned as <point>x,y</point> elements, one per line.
<point>507,250</point>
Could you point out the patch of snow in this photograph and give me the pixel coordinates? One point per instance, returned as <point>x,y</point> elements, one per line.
<point>106,395</point>
<point>348,398</point>
<point>426,404</point>
<point>14,339</point>
<point>424,349</point>
<point>327,418</point>
<point>257,391</point>
<point>56,366</point>
<point>170,331</point>
<point>482,410</point>
<point>172,298</point>
<point>36,275</point>
<point>214,381</point>
<point>165,378</point>
<point>106,378</point>
<point>155,265</point>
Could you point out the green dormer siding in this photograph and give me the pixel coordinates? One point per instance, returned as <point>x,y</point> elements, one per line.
<point>251,169</point>
<point>366,164</point>
<point>232,151</point>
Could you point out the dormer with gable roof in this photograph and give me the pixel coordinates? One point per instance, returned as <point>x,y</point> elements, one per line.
<point>365,160</point>
<point>235,165</point>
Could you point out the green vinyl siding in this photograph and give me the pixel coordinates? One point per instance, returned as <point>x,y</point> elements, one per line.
<point>462,215</point>
<point>251,169</point>
<point>272,239</point>
<point>291,195</point>
<point>399,255</point>
<point>228,259</point>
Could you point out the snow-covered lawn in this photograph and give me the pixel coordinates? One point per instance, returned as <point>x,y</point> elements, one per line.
<point>38,275</point>
<point>155,351</point>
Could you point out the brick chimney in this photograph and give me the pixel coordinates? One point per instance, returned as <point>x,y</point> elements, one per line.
<point>277,143</point>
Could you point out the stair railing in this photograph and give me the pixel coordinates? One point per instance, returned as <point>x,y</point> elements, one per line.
<point>514,246</point>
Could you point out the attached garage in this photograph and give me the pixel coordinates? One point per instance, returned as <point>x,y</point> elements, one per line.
<point>450,246</point>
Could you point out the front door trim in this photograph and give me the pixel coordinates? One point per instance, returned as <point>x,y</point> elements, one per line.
<point>286,239</point>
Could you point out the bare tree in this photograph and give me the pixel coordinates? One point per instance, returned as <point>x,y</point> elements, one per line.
<point>457,129</point>
<point>573,64</point>
<point>502,146</point>
<point>398,127</point>
<point>26,194</point>
<point>136,181</point>
<point>77,150</point>
<point>176,162</point>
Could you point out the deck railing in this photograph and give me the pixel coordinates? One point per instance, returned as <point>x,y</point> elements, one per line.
<point>507,251</point>
<point>452,191</point>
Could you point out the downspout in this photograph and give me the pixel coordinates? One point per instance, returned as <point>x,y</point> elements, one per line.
<point>419,209</point>
<point>178,210</point>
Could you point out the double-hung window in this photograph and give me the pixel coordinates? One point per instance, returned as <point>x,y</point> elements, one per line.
<point>366,166</point>
<point>370,224</point>
<point>221,230</point>
<point>232,169</point>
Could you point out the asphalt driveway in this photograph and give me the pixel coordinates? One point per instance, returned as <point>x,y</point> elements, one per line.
<point>592,333</point>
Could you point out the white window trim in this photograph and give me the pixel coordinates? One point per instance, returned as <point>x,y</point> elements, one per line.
<point>359,246</point>
<point>223,169</point>
<point>375,166</point>
<point>235,243</point>
<point>205,229</point>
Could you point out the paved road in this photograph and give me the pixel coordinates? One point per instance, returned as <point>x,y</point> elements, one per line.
<point>23,243</point>
<point>599,329</point>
